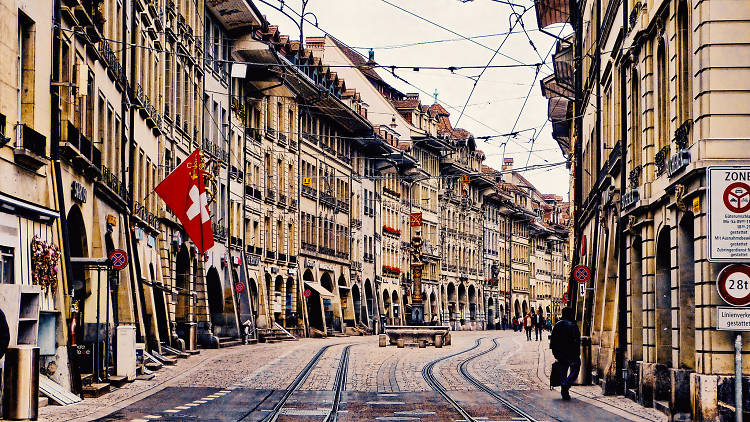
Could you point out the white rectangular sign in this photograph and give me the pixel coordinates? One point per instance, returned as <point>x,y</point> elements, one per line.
<point>733,319</point>
<point>729,214</point>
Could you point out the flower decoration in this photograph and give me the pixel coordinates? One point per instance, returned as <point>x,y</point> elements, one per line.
<point>44,263</point>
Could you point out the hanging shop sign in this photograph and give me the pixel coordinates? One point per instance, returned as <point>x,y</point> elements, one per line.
<point>728,214</point>
<point>677,162</point>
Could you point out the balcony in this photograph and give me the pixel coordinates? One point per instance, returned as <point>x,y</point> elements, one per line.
<point>282,199</point>
<point>281,138</point>
<point>220,232</point>
<point>282,257</point>
<point>293,204</point>
<point>258,250</point>
<point>308,247</point>
<point>32,151</point>
<point>660,159</point>
<point>253,134</point>
<point>110,180</point>
<point>271,133</point>
<point>270,254</point>
<point>292,259</point>
<point>327,200</point>
<point>309,192</point>
<point>292,144</point>
<point>342,206</point>
<point>310,138</point>
<point>270,195</point>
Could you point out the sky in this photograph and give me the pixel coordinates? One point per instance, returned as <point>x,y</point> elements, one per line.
<point>496,106</point>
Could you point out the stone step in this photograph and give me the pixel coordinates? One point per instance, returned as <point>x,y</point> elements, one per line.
<point>96,389</point>
<point>118,380</point>
<point>43,401</point>
<point>153,366</point>
<point>662,406</point>
<point>228,342</point>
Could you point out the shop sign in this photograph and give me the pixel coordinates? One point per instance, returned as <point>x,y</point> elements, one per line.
<point>274,270</point>
<point>677,162</point>
<point>728,213</point>
<point>78,192</point>
<point>253,260</point>
<point>630,198</point>
<point>292,271</point>
<point>309,263</point>
<point>112,220</point>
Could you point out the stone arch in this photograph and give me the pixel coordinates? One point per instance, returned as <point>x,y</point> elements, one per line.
<point>517,308</point>
<point>358,308</point>
<point>434,312</point>
<point>472,299</point>
<point>525,307</point>
<point>79,248</point>
<point>686,312</point>
<point>396,304</point>
<point>369,298</point>
<point>215,294</point>
<point>182,283</point>
<point>313,304</point>
<point>662,300</point>
<point>326,282</point>
<point>290,308</point>
<point>252,287</point>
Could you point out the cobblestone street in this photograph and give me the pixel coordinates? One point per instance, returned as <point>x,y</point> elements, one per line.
<point>248,382</point>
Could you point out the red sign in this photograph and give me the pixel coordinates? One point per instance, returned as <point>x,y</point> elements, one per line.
<point>184,192</point>
<point>307,293</point>
<point>415,219</point>
<point>734,284</point>
<point>119,259</point>
<point>583,245</point>
<point>581,273</point>
<point>240,287</point>
<point>737,197</point>
<point>565,298</point>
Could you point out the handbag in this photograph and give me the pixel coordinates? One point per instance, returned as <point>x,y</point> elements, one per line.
<point>554,376</point>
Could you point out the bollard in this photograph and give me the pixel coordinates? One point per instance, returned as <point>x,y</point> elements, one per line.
<point>125,365</point>
<point>21,383</point>
<point>584,377</point>
<point>447,340</point>
<point>400,343</point>
<point>438,341</point>
<point>422,344</point>
<point>382,340</point>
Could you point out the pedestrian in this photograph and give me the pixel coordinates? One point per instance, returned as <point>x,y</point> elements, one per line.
<point>539,323</point>
<point>565,343</point>
<point>527,324</point>
<point>4,334</point>
<point>549,324</point>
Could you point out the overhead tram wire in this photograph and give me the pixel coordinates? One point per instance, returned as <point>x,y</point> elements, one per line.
<point>494,54</point>
<point>409,83</point>
<point>447,29</point>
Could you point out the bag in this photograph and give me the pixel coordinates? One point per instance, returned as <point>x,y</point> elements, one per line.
<point>554,375</point>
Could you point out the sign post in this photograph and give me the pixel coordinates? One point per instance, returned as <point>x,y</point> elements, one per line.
<point>733,285</point>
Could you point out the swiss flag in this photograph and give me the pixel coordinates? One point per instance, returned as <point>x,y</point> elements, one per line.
<point>185,194</point>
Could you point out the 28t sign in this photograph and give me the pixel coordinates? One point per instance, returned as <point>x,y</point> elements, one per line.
<point>734,284</point>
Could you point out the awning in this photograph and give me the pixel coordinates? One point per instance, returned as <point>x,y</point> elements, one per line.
<point>322,291</point>
<point>28,209</point>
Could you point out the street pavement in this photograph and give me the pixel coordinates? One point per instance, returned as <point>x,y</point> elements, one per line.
<point>250,383</point>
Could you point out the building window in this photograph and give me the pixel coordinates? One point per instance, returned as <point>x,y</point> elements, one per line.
<point>635,115</point>
<point>661,81</point>
<point>6,265</point>
<point>683,61</point>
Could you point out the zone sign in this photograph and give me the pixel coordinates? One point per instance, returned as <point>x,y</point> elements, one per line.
<point>728,213</point>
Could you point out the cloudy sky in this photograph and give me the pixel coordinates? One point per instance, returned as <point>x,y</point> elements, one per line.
<point>401,38</point>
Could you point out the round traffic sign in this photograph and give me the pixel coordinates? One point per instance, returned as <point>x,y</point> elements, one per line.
<point>240,287</point>
<point>307,293</point>
<point>737,197</point>
<point>734,284</point>
<point>119,259</point>
<point>581,273</point>
<point>565,297</point>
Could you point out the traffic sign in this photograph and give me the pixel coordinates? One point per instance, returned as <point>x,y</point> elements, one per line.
<point>240,287</point>
<point>581,273</point>
<point>415,219</point>
<point>307,293</point>
<point>728,214</point>
<point>734,284</point>
<point>565,297</point>
<point>119,259</point>
<point>732,319</point>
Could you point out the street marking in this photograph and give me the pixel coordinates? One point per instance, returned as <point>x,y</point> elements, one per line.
<point>384,403</point>
<point>152,417</point>
<point>186,407</point>
<point>171,411</point>
<point>192,404</point>
<point>225,391</point>
<point>414,413</point>
<point>139,420</point>
<point>200,401</point>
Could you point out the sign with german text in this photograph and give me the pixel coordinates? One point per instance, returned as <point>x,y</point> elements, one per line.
<point>733,319</point>
<point>728,213</point>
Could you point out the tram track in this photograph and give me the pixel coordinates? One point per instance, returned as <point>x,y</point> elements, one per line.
<point>427,374</point>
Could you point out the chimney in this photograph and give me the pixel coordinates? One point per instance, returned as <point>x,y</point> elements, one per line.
<point>507,167</point>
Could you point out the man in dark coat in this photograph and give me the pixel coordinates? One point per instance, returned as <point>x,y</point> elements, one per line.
<point>565,343</point>
<point>538,325</point>
<point>4,334</point>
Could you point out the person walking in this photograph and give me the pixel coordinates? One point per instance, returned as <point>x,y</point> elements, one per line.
<point>528,323</point>
<point>538,325</point>
<point>565,343</point>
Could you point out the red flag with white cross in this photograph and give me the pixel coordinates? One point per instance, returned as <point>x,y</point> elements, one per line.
<point>184,192</point>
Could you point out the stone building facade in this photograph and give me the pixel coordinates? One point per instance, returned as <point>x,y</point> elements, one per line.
<point>652,100</point>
